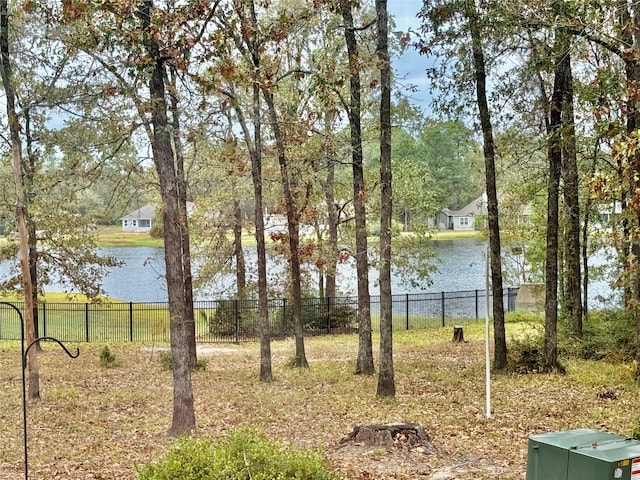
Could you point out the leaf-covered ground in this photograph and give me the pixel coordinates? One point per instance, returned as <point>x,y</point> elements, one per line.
<point>96,423</point>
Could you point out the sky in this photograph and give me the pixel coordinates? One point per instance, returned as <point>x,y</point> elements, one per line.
<point>411,67</point>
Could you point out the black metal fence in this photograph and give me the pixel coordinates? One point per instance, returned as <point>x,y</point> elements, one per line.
<point>237,320</point>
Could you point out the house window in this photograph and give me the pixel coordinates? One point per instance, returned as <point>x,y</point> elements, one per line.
<point>463,221</point>
<point>134,223</point>
<point>125,223</point>
<point>605,218</point>
<point>145,223</point>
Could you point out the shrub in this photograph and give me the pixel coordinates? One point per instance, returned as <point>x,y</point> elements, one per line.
<point>316,315</point>
<point>342,316</point>
<point>107,358</point>
<point>244,454</point>
<point>526,351</point>
<point>232,318</point>
<point>606,335</point>
<point>187,460</point>
<point>157,232</point>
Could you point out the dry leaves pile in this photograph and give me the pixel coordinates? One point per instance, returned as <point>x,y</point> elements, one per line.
<point>96,423</point>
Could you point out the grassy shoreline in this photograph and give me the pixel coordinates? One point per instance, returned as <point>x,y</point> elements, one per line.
<point>113,236</point>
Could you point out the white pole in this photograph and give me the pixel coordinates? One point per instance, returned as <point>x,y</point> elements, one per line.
<point>486,338</point>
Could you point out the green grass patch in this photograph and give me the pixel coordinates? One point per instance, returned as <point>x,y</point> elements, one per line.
<point>420,322</point>
<point>101,322</point>
<point>599,374</point>
<point>244,454</point>
<point>113,236</point>
<point>455,234</point>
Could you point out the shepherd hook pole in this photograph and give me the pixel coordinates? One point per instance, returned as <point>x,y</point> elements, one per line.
<point>23,361</point>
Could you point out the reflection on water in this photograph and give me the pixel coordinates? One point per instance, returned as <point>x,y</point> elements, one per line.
<point>460,265</point>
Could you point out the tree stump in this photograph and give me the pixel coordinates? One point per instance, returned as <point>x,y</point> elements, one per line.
<point>458,334</point>
<point>398,435</point>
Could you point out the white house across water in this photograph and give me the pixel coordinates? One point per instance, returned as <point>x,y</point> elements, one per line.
<point>140,220</point>
<point>463,219</point>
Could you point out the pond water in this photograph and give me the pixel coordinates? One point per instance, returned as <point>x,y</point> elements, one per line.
<point>460,266</point>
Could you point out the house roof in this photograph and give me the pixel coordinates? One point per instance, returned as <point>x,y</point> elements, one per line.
<point>148,211</point>
<point>475,207</point>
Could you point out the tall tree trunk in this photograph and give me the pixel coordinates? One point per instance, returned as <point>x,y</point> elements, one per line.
<point>572,204</point>
<point>22,214</point>
<point>31,226</point>
<point>254,146</point>
<point>499,333</point>
<point>183,419</point>
<point>241,271</point>
<point>255,153</point>
<point>332,242</point>
<point>185,248</point>
<point>632,31</point>
<point>553,191</point>
<point>293,223</point>
<point>266,374</point>
<point>330,250</point>
<point>364,362</point>
<point>332,218</point>
<point>332,227</point>
<point>585,239</point>
<point>386,378</point>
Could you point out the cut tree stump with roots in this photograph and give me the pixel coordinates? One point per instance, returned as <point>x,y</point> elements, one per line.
<point>458,334</point>
<point>400,435</point>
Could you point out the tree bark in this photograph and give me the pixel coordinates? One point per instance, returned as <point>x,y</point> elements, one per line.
<point>331,249</point>
<point>458,334</point>
<point>31,226</point>
<point>386,377</point>
<point>22,214</point>
<point>183,419</point>
<point>332,227</point>
<point>185,247</point>
<point>499,333</point>
<point>572,204</point>
<point>364,362</point>
<point>266,373</point>
<point>632,31</point>
<point>293,222</point>
<point>553,191</point>
<point>254,146</point>
<point>238,253</point>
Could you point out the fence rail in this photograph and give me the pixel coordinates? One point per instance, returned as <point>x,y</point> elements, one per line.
<point>235,321</point>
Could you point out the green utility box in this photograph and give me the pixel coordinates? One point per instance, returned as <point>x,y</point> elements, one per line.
<point>582,454</point>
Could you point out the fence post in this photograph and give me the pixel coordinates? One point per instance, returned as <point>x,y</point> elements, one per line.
<point>131,322</point>
<point>442,304</point>
<point>237,320</point>
<point>44,319</point>
<point>511,299</point>
<point>328,314</point>
<point>476,304</point>
<point>284,318</point>
<point>86,322</point>
<point>406,309</point>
